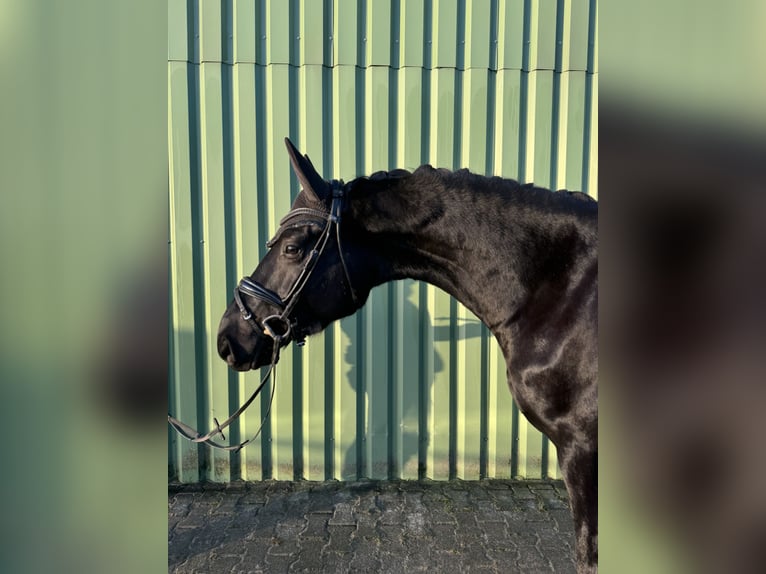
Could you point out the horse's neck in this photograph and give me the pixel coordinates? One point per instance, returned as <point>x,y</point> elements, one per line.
<point>487,252</point>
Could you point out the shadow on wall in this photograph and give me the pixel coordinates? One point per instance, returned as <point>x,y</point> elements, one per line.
<point>398,460</point>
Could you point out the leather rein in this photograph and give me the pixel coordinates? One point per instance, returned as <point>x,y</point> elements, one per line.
<point>279,326</point>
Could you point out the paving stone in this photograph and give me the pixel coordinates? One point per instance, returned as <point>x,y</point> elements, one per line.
<point>228,504</point>
<point>365,560</point>
<point>192,522</point>
<point>441,517</point>
<point>393,563</point>
<point>551,500</point>
<point>494,533</point>
<point>477,492</point>
<point>466,521</point>
<point>529,506</point>
<point>504,557</point>
<point>459,499</point>
<point>180,503</point>
<point>284,547</point>
<point>448,562</point>
<point>279,563</point>
<point>268,518</point>
<point>525,539</point>
<point>244,518</point>
<point>482,568</point>
<point>195,562</point>
<point>252,498</point>
<point>316,525</point>
<point>532,562</point>
<point>343,515</point>
<point>337,562</point>
<point>340,539</point>
<point>370,526</point>
<point>413,485</point>
<point>522,491</point>
<point>439,509</point>
<point>310,555</point>
<point>224,563</point>
<point>290,526</point>
<point>392,507</point>
<point>206,540</point>
<point>510,508</point>
<point>417,559</point>
<point>561,489</point>
<point>473,552</point>
<point>444,536</point>
<point>313,545</point>
<point>279,488</point>
<point>366,506</point>
<point>208,500</point>
<point>562,564</point>
<point>563,520</point>
<point>550,538</point>
<point>366,527</point>
<point>173,521</point>
<point>391,538</point>
<point>389,497</point>
<point>255,551</point>
<point>415,524</point>
<point>178,546</point>
<point>321,499</point>
<point>486,511</point>
<point>298,499</point>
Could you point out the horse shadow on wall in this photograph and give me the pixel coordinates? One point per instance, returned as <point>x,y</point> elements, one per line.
<point>375,451</point>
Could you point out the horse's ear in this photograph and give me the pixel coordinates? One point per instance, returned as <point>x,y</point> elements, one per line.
<point>312,183</point>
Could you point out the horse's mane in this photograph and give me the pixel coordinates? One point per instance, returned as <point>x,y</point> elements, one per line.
<point>384,176</point>
<point>581,195</point>
<point>429,173</point>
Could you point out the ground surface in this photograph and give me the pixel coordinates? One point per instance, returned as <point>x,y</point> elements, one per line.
<point>391,526</point>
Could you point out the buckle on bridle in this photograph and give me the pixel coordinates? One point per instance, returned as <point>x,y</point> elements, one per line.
<point>277,333</point>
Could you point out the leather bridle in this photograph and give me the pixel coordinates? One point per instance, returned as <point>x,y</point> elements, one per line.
<point>282,326</point>
<point>279,326</point>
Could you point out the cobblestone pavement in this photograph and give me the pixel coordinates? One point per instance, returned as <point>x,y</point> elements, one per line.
<point>389,526</point>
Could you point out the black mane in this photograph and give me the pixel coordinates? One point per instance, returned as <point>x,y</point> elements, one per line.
<point>428,176</point>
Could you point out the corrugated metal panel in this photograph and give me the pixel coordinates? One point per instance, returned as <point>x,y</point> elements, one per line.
<point>413,385</point>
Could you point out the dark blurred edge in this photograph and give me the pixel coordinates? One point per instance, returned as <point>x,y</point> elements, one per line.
<point>683,335</point>
<point>83,312</point>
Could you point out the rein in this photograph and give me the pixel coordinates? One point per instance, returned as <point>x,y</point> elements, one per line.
<point>284,326</point>
<point>194,435</point>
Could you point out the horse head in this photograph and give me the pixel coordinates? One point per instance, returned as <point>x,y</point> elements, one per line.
<point>308,279</point>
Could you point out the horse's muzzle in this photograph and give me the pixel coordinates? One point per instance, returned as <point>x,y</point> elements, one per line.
<point>240,359</point>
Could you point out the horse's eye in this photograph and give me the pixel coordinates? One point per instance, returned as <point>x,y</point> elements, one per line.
<point>291,249</point>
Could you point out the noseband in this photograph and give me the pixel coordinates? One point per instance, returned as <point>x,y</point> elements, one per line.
<point>280,326</point>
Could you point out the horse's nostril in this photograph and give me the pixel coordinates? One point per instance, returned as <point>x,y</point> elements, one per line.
<point>224,349</point>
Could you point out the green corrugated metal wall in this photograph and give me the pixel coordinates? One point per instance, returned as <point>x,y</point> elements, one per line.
<point>412,385</point>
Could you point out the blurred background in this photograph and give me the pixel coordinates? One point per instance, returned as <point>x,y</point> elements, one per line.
<point>83,278</point>
<point>682,173</point>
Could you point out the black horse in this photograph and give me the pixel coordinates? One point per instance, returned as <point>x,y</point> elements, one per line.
<point>522,258</point>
